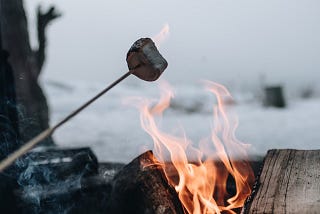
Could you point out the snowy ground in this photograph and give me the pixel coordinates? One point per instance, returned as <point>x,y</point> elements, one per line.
<point>113,130</point>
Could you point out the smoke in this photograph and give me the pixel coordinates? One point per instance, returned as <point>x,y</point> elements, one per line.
<point>50,179</point>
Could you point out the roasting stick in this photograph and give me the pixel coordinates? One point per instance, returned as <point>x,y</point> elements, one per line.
<point>46,133</point>
<point>144,61</point>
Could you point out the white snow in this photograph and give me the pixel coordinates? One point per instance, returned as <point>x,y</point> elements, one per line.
<point>113,130</point>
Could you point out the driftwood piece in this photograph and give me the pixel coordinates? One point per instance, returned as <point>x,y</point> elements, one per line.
<point>289,183</point>
<point>141,187</point>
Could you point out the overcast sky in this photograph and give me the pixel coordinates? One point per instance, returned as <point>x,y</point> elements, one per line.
<point>220,40</point>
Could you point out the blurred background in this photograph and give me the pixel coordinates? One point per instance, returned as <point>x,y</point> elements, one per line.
<point>265,52</point>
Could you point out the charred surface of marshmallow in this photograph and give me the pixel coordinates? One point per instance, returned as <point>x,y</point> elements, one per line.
<point>145,61</point>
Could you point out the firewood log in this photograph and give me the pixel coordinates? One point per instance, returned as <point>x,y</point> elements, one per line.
<point>141,187</point>
<point>289,183</point>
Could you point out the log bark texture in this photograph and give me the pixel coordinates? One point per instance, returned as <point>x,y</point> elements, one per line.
<point>27,65</point>
<point>141,187</point>
<point>289,183</point>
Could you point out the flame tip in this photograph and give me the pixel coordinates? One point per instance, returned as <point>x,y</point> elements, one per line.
<point>162,35</point>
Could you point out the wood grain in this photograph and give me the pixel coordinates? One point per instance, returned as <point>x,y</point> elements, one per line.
<point>289,183</point>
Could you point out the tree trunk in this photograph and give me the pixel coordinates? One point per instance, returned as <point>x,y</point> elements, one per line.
<point>31,102</point>
<point>8,114</point>
<point>8,132</point>
<point>289,183</point>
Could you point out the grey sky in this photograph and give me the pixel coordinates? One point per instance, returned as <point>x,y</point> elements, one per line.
<point>221,40</point>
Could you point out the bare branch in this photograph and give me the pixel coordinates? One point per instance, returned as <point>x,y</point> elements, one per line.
<point>43,19</point>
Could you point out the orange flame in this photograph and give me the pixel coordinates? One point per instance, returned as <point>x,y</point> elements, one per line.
<point>202,181</point>
<point>161,36</point>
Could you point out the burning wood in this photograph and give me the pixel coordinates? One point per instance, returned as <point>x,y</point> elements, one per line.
<point>203,173</point>
<point>141,187</point>
<point>79,187</point>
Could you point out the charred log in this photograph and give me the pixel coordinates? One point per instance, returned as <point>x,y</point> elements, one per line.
<point>72,181</point>
<point>61,181</point>
<point>53,165</point>
<point>79,196</point>
<point>141,187</point>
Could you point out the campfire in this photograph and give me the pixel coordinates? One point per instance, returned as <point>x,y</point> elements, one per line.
<point>200,174</point>
<point>179,177</point>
